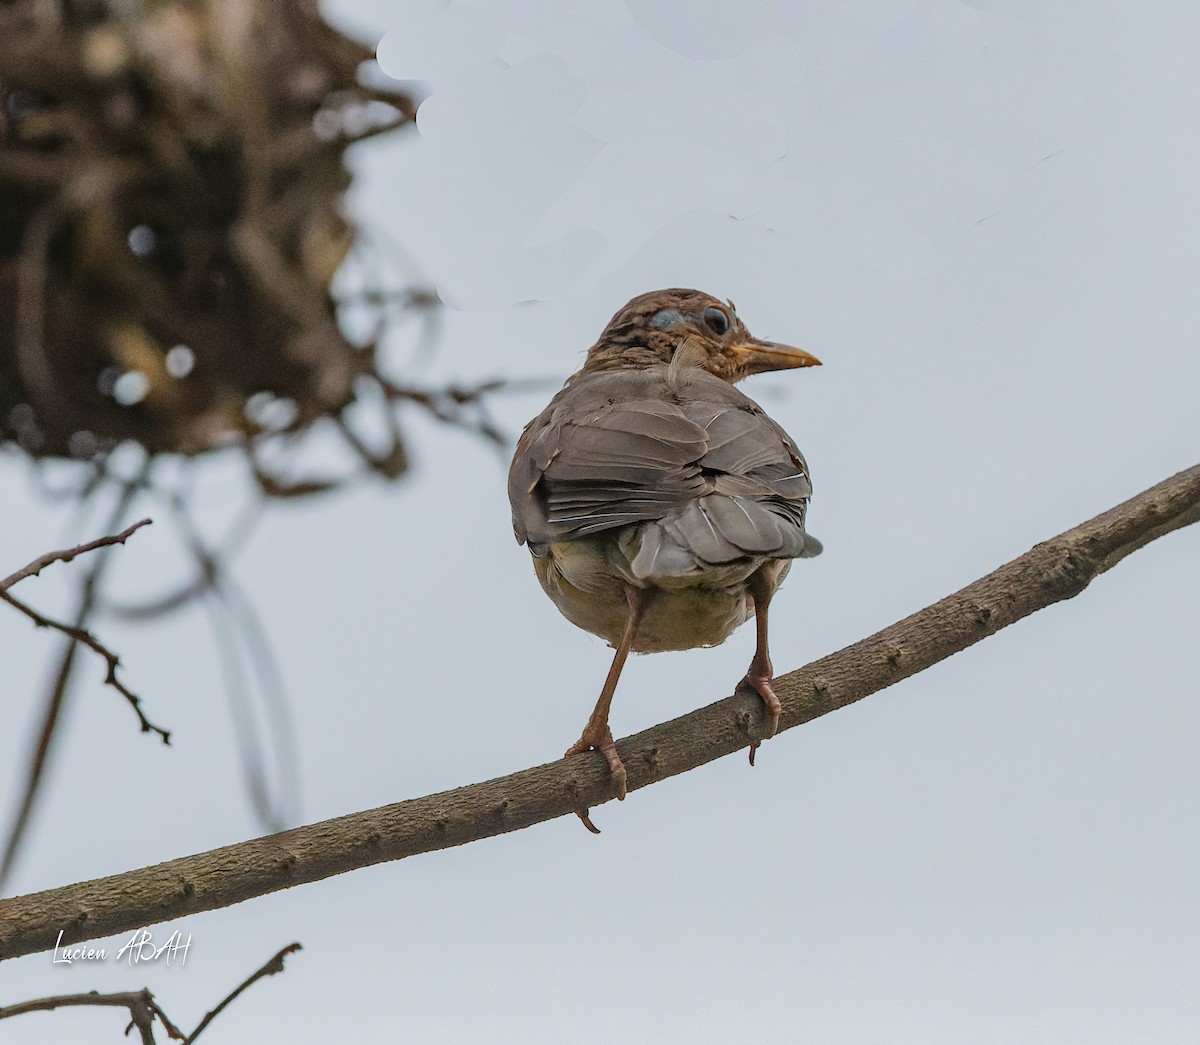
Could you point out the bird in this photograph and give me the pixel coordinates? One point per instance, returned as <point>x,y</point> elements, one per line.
<point>661,506</point>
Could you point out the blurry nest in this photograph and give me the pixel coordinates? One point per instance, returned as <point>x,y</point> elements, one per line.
<point>171,178</point>
<point>171,184</point>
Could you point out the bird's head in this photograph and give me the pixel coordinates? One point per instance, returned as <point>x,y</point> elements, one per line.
<point>688,326</point>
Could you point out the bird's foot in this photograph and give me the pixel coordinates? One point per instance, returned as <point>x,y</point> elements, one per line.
<point>587,820</point>
<point>601,738</point>
<point>761,684</point>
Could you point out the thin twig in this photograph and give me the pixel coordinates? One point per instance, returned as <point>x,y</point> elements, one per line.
<point>142,1006</point>
<point>42,561</point>
<point>1057,569</point>
<point>88,639</point>
<point>273,966</point>
<point>458,405</point>
<point>58,692</point>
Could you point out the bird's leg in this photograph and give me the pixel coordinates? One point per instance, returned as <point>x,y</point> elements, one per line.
<point>597,734</point>
<point>760,673</point>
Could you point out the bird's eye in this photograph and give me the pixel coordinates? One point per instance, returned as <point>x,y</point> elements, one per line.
<point>717,320</point>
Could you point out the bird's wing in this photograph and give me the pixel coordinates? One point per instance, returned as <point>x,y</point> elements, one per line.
<point>586,466</point>
<point>755,504</point>
<point>717,475</point>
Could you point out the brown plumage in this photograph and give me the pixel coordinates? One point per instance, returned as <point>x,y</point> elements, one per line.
<point>662,506</point>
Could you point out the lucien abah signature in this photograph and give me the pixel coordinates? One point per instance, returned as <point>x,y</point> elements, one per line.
<point>140,947</point>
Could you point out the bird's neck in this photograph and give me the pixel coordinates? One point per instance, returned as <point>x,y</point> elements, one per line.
<point>628,356</point>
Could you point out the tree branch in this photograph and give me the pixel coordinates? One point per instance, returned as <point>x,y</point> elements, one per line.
<point>42,561</point>
<point>79,633</point>
<point>1057,569</point>
<point>143,1009</point>
<point>57,697</point>
<point>88,639</point>
<point>141,1005</point>
<point>272,966</point>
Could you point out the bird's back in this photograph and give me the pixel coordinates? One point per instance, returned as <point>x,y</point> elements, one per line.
<point>685,474</point>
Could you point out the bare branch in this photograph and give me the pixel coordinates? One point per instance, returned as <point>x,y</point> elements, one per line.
<point>143,1009</point>
<point>88,639</point>
<point>141,1005</point>
<point>272,966</point>
<point>56,698</point>
<point>42,561</point>
<point>1057,569</point>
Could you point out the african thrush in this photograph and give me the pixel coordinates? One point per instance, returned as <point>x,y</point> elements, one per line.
<point>663,507</point>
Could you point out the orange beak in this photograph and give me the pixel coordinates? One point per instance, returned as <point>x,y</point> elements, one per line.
<point>757,357</point>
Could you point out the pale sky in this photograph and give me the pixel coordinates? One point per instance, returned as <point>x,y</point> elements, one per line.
<point>983,218</point>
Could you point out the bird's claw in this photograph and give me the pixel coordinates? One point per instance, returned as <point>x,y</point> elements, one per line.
<point>761,684</point>
<point>602,740</point>
<point>619,777</point>
<point>587,820</point>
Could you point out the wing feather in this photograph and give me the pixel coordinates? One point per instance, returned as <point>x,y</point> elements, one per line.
<point>718,478</point>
